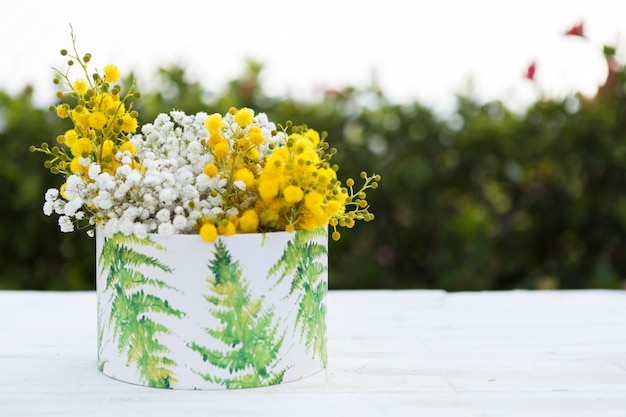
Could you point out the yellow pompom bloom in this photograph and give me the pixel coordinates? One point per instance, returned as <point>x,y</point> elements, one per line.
<point>310,220</point>
<point>111,73</point>
<point>255,135</point>
<point>245,175</point>
<point>221,150</point>
<point>268,215</point>
<point>249,221</point>
<point>62,189</point>
<point>226,228</point>
<point>107,147</point>
<point>136,165</point>
<point>253,154</point>
<point>76,167</point>
<point>81,119</point>
<point>214,123</point>
<point>62,112</point>
<point>128,146</point>
<point>210,170</point>
<point>313,201</point>
<point>80,87</point>
<point>129,124</point>
<point>103,102</point>
<point>97,120</point>
<point>70,137</point>
<point>208,232</point>
<point>215,138</point>
<point>244,117</point>
<point>303,144</point>
<point>81,146</point>
<point>268,190</point>
<point>243,144</point>
<point>333,208</point>
<point>313,136</point>
<point>292,194</point>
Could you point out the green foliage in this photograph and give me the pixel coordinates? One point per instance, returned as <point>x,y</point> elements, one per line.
<point>481,199</point>
<point>34,254</point>
<point>136,331</point>
<point>300,259</point>
<point>249,332</point>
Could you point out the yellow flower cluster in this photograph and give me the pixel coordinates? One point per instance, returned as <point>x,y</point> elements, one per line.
<point>293,187</point>
<point>256,180</point>
<point>102,119</point>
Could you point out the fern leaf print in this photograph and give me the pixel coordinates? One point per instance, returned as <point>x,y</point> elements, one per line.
<point>133,310</point>
<point>301,260</point>
<point>248,332</point>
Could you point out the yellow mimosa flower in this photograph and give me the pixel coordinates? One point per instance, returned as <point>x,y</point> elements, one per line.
<point>111,73</point>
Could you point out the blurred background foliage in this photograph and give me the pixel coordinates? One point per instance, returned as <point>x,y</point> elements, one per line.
<point>482,199</point>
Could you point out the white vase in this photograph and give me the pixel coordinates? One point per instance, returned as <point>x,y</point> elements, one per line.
<point>247,310</point>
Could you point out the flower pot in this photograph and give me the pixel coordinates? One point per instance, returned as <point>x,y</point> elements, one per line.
<point>247,310</point>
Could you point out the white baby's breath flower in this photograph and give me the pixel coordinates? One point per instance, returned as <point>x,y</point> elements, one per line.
<point>140,230</point>
<point>48,208</point>
<point>166,229</point>
<point>52,194</point>
<point>66,225</point>
<point>163,215</point>
<point>72,206</point>
<point>111,227</point>
<point>123,171</point>
<point>180,222</point>
<point>127,227</point>
<point>94,171</point>
<point>103,200</point>
<point>168,195</point>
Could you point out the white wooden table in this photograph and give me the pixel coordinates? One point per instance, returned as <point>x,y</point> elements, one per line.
<point>391,353</point>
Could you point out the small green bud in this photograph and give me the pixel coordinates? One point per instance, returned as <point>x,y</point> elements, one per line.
<point>63,52</point>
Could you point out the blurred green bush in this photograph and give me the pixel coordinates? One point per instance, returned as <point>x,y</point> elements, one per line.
<point>483,199</point>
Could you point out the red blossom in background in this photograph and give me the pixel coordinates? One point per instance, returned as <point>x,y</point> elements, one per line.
<point>576,30</point>
<point>530,71</point>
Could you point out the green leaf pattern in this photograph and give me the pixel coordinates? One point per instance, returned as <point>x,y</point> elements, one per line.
<point>249,333</point>
<point>301,260</point>
<point>132,310</point>
<point>256,328</point>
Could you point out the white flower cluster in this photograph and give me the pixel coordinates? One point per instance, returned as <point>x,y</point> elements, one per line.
<point>168,194</point>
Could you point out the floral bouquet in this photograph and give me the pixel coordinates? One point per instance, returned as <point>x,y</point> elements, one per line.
<point>249,308</point>
<point>188,174</point>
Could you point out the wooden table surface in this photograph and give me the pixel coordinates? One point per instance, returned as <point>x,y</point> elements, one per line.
<point>391,353</point>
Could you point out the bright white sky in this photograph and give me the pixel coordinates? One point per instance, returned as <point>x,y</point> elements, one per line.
<point>418,50</point>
